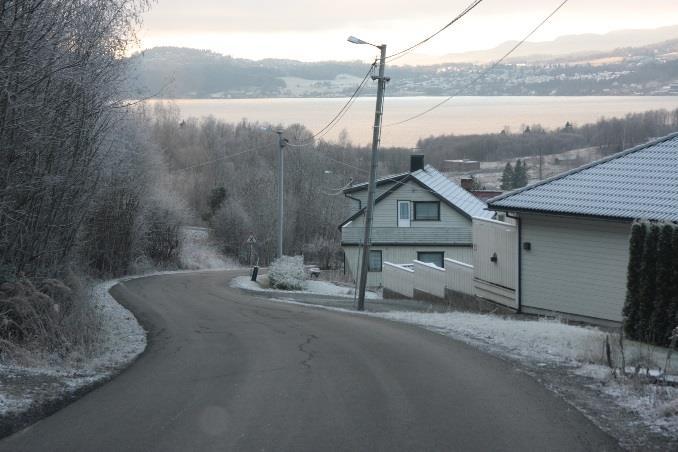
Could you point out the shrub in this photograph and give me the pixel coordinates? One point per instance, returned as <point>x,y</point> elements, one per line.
<point>631,307</point>
<point>287,273</point>
<point>46,317</point>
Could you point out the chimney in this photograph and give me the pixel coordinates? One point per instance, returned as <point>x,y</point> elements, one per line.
<point>416,162</point>
<point>467,183</point>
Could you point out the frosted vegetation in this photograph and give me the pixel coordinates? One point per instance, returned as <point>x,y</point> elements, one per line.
<point>635,377</point>
<point>287,273</point>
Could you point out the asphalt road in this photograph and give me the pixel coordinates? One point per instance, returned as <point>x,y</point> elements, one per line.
<point>225,370</point>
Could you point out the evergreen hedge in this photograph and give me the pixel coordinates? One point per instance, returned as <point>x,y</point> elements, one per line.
<point>651,306</point>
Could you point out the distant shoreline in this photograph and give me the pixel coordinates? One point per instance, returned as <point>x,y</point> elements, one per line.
<point>463,115</point>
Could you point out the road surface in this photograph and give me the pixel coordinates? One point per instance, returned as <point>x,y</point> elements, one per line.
<point>225,370</point>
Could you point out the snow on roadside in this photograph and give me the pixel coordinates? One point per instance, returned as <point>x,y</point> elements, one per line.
<point>535,340</point>
<point>121,340</point>
<point>567,358</point>
<point>577,352</point>
<point>313,287</point>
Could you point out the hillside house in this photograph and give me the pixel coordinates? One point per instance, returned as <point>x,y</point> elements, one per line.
<point>419,214</point>
<point>574,229</point>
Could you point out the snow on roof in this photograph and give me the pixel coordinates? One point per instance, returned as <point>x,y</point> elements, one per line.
<point>438,184</point>
<point>452,192</point>
<point>641,182</point>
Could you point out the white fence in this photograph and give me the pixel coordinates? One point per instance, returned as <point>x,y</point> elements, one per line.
<point>459,276</point>
<point>404,279</point>
<point>399,279</point>
<point>429,278</point>
<point>492,276</point>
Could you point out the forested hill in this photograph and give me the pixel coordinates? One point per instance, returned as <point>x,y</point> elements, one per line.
<point>190,73</point>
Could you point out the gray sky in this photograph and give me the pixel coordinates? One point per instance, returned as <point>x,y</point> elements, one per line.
<point>316,30</point>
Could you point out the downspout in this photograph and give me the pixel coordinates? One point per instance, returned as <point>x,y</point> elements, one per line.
<point>520,262</point>
<point>360,203</point>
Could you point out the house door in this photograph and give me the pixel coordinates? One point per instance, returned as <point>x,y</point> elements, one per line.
<point>403,214</point>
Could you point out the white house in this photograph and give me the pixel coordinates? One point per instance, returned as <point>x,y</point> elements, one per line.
<point>420,214</point>
<point>574,228</point>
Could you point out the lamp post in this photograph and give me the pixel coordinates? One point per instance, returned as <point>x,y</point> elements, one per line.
<point>282,142</point>
<point>371,185</point>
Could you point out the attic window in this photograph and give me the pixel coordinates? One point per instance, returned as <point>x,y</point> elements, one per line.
<point>427,211</point>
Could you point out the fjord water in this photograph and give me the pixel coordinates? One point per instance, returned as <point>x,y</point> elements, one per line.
<point>459,116</point>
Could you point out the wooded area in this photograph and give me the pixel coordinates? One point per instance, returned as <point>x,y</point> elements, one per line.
<point>609,134</point>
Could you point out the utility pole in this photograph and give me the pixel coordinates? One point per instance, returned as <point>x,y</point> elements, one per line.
<point>281,186</point>
<point>376,135</point>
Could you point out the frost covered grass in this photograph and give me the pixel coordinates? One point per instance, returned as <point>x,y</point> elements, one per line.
<point>578,351</point>
<point>312,287</point>
<point>197,253</point>
<point>43,378</point>
<point>543,339</point>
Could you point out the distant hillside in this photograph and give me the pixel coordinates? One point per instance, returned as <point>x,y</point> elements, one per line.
<point>190,73</point>
<point>568,45</point>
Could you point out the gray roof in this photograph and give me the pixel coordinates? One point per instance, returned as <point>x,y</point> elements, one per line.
<point>453,193</point>
<point>440,186</point>
<point>639,183</point>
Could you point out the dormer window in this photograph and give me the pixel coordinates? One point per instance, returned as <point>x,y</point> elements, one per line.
<point>427,210</point>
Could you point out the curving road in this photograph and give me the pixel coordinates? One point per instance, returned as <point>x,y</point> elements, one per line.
<point>228,371</point>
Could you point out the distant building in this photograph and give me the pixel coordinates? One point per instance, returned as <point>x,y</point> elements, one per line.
<point>460,166</point>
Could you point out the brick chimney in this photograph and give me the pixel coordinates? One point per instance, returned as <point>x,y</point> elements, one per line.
<point>416,162</point>
<point>467,183</point>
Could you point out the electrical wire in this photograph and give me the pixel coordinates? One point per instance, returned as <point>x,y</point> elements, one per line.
<point>403,52</point>
<point>340,114</point>
<point>483,73</point>
<point>226,157</point>
<point>333,122</point>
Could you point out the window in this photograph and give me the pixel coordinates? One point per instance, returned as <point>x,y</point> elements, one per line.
<point>432,257</point>
<point>374,264</point>
<point>427,210</point>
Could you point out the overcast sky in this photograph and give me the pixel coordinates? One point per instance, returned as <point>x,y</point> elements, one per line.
<point>311,30</point>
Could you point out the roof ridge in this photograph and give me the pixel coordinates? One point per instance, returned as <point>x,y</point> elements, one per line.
<point>565,174</point>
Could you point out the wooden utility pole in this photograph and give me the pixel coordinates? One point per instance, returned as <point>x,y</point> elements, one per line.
<point>376,135</point>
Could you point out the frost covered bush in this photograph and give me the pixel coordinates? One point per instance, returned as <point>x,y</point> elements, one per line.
<point>47,316</point>
<point>287,273</point>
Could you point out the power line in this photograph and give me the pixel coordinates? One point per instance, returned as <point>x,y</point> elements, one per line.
<point>333,122</point>
<point>483,73</point>
<point>466,10</point>
<point>340,114</point>
<point>226,157</point>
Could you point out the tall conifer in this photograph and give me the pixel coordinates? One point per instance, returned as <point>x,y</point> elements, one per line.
<point>507,177</point>
<point>648,283</point>
<point>672,314</point>
<point>631,305</point>
<point>659,321</point>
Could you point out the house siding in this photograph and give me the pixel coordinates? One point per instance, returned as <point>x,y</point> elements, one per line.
<point>385,221</point>
<point>353,205</point>
<point>575,265</point>
<point>401,255</point>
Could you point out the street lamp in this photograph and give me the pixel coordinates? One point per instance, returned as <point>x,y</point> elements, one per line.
<point>376,135</point>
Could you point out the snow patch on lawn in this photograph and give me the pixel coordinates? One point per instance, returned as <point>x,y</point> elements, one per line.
<point>121,340</point>
<point>312,287</point>
<point>538,340</point>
